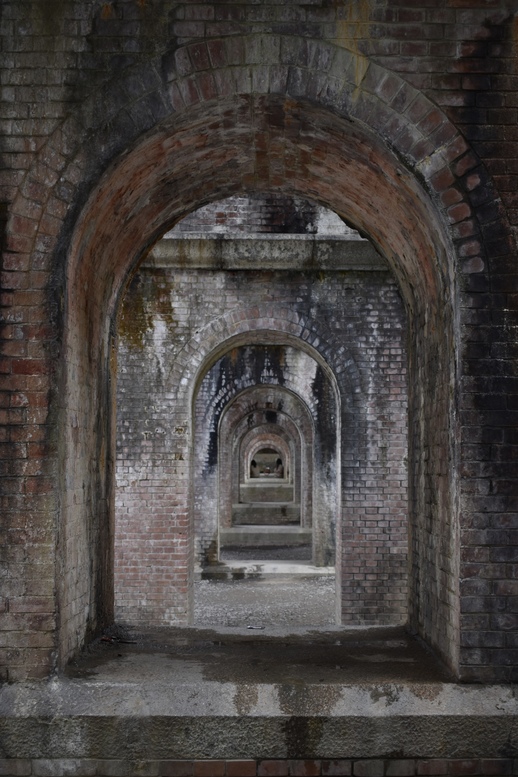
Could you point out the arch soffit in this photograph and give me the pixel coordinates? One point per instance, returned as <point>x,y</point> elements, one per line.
<point>281,448</point>
<point>338,161</point>
<point>245,402</point>
<point>353,90</point>
<point>263,325</point>
<point>253,440</point>
<point>280,445</point>
<point>294,429</point>
<point>274,441</point>
<point>294,439</point>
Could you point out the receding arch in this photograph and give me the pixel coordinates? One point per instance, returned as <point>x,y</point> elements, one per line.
<point>267,440</point>
<point>298,435</point>
<point>256,142</point>
<point>295,418</point>
<point>226,413</point>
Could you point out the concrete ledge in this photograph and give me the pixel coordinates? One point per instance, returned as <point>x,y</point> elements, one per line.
<point>266,492</point>
<point>254,570</point>
<point>286,252</point>
<point>227,693</point>
<point>268,514</point>
<point>246,767</point>
<point>264,536</point>
<point>148,720</point>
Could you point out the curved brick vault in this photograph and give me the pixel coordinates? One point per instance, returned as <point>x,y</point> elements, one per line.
<point>282,113</point>
<point>266,437</point>
<point>294,146</point>
<point>269,436</point>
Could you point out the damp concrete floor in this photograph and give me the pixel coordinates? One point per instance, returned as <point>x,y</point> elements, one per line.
<point>276,628</point>
<point>274,655</point>
<point>221,689</point>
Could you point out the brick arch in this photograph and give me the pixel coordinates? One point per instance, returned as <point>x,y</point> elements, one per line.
<point>263,324</point>
<point>299,68</point>
<point>324,500</point>
<point>299,426</point>
<point>197,75</point>
<point>297,419</point>
<point>302,128</point>
<point>266,437</point>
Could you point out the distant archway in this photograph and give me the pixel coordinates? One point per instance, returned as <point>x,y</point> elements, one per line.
<point>235,411</point>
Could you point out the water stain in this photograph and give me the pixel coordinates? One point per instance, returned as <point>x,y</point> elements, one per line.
<point>246,698</point>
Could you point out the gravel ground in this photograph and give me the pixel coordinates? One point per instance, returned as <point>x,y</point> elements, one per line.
<point>268,602</point>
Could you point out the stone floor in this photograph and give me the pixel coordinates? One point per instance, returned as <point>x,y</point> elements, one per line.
<point>273,655</point>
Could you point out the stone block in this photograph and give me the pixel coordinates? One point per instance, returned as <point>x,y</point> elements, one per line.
<point>242,768</point>
<point>208,769</point>
<point>305,768</point>
<point>176,769</point>
<point>272,768</point>
<point>400,768</point>
<point>337,768</point>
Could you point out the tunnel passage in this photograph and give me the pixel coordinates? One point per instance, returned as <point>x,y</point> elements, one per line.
<point>331,401</point>
<point>141,146</point>
<point>292,373</point>
<point>248,424</point>
<point>265,453</point>
<point>265,464</point>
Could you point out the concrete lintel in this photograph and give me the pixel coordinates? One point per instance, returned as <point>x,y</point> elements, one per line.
<point>89,718</point>
<point>273,252</point>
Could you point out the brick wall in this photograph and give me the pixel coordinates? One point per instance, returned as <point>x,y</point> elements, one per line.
<point>168,309</point>
<point>399,116</point>
<point>257,213</point>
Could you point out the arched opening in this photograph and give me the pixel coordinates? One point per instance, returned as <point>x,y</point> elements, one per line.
<point>355,163</point>
<point>269,397</point>
<point>267,463</point>
<point>249,538</point>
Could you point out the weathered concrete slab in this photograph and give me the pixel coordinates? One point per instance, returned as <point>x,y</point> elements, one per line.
<point>279,252</point>
<point>264,536</point>
<point>271,513</point>
<point>260,569</point>
<point>266,492</point>
<point>189,693</point>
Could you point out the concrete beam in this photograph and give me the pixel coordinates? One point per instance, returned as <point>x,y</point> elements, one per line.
<point>272,252</point>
